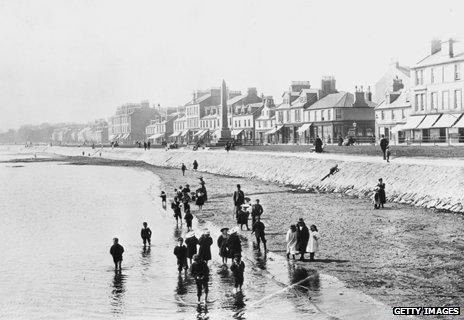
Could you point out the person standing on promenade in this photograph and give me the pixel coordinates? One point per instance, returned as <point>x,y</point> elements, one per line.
<point>302,238</point>
<point>200,273</point>
<point>313,245</point>
<point>145,145</point>
<point>191,242</point>
<point>382,195</point>
<point>258,229</point>
<point>222,244</point>
<point>188,218</point>
<point>256,211</point>
<point>233,243</point>
<point>195,165</point>
<point>238,269</point>
<point>239,199</point>
<point>180,251</point>
<point>175,206</point>
<point>205,243</point>
<point>145,233</point>
<point>183,168</point>
<point>383,146</point>
<point>291,239</point>
<point>116,251</point>
<point>318,144</point>
<point>163,199</point>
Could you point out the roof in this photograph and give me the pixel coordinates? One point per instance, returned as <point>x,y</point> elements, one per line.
<point>255,105</point>
<point>198,100</point>
<point>440,57</point>
<point>283,106</point>
<point>337,100</point>
<point>236,99</point>
<point>399,102</point>
<point>211,116</point>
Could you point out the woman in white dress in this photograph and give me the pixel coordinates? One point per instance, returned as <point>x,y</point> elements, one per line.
<point>313,244</point>
<point>291,241</point>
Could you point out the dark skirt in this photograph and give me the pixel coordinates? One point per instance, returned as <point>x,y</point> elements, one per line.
<point>382,196</point>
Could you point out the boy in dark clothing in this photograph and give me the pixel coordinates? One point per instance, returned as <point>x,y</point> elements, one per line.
<point>239,199</point>
<point>192,242</point>
<point>145,233</point>
<point>180,252</point>
<point>258,230</point>
<point>175,206</point>
<point>256,211</point>
<point>116,251</point>
<point>188,219</point>
<point>238,268</point>
<point>200,273</point>
<point>183,168</point>
<point>163,199</point>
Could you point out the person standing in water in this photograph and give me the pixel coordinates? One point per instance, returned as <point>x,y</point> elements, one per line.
<point>195,165</point>
<point>205,243</point>
<point>175,206</point>
<point>200,273</point>
<point>183,168</point>
<point>291,241</point>
<point>239,199</point>
<point>313,245</point>
<point>302,238</point>
<point>180,251</point>
<point>222,244</point>
<point>200,198</point>
<point>188,218</point>
<point>256,211</point>
<point>163,199</point>
<point>145,233</point>
<point>116,251</point>
<point>191,242</point>
<point>238,268</point>
<point>258,230</point>
<point>234,245</point>
<point>382,195</point>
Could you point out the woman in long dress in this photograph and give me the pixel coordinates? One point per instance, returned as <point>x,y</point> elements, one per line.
<point>382,195</point>
<point>200,198</point>
<point>291,241</point>
<point>313,244</point>
<point>222,244</point>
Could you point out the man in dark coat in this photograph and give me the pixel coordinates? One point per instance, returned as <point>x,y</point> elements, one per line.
<point>195,165</point>
<point>116,251</point>
<point>238,268</point>
<point>191,241</point>
<point>234,244</point>
<point>256,211</point>
<point>382,194</point>
<point>145,233</point>
<point>175,206</point>
<point>318,145</point>
<point>180,251</point>
<point>258,230</point>
<point>302,238</point>
<point>200,273</point>
<point>239,199</point>
<point>205,243</point>
<point>383,146</point>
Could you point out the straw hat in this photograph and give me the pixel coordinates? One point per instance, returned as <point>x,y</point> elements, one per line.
<point>224,229</point>
<point>190,234</point>
<point>234,230</point>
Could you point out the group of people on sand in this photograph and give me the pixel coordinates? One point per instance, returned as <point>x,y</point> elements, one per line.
<point>301,240</point>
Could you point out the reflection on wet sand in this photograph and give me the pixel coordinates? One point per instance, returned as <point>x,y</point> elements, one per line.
<point>117,299</point>
<point>307,279</point>
<point>145,259</point>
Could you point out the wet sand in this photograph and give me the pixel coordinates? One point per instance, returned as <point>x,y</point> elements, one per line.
<point>401,255</point>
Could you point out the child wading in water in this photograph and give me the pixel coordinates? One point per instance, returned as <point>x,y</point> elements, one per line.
<point>188,219</point>
<point>163,199</point>
<point>180,252</point>
<point>145,233</point>
<point>238,268</point>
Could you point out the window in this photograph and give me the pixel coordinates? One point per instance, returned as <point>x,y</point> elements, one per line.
<point>280,116</point>
<point>443,74</point>
<point>249,123</point>
<point>393,114</point>
<point>322,115</point>
<point>402,114</point>
<point>457,99</point>
<point>422,101</point>
<point>433,100</point>
<point>338,114</point>
<point>419,77</point>
<point>329,115</point>
<point>432,75</point>
<point>382,115</point>
<point>297,115</point>
<point>417,102</point>
<point>288,115</point>
<point>445,100</point>
<point>457,72</point>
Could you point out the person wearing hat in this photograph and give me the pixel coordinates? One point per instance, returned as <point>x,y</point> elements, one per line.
<point>205,243</point>
<point>238,268</point>
<point>239,199</point>
<point>180,251</point>
<point>145,233</point>
<point>258,230</point>
<point>188,217</point>
<point>116,251</point>
<point>200,199</point>
<point>191,241</point>
<point>233,243</point>
<point>256,210</point>
<point>200,272</point>
<point>222,244</point>
<point>302,237</point>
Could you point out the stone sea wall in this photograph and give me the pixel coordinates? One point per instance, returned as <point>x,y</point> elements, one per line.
<point>420,182</point>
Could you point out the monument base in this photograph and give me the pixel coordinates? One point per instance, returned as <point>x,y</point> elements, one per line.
<point>226,136</point>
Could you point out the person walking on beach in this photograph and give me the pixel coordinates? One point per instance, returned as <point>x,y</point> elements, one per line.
<point>203,188</point>
<point>233,243</point>
<point>382,195</point>
<point>191,242</point>
<point>388,153</point>
<point>239,199</point>
<point>195,165</point>
<point>222,244</point>
<point>291,239</point>
<point>200,198</point>
<point>188,218</point>
<point>302,238</point>
<point>332,171</point>
<point>256,211</point>
<point>163,199</point>
<point>116,251</point>
<point>313,245</point>
<point>175,206</point>
<point>180,251</point>
<point>258,230</point>
<point>383,146</point>
<point>200,272</point>
<point>183,168</point>
<point>145,233</point>
<point>318,145</point>
<point>238,269</point>
<point>145,145</point>
<point>205,243</point>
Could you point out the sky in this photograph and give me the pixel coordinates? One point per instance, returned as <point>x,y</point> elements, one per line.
<point>76,61</point>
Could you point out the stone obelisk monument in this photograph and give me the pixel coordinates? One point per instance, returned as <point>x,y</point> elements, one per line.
<point>225,131</point>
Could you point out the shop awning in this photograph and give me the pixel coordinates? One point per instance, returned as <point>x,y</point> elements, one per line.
<point>112,137</point>
<point>175,134</point>
<point>185,132</point>
<point>446,120</point>
<point>460,123</point>
<point>397,128</point>
<point>236,132</point>
<point>428,122</point>
<point>156,136</point>
<point>276,129</point>
<point>200,133</point>
<point>125,136</point>
<point>413,122</point>
<point>304,127</point>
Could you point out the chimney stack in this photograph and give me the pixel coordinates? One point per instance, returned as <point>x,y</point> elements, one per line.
<point>368,94</point>
<point>450,47</point>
